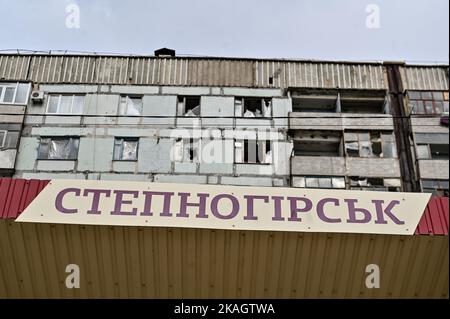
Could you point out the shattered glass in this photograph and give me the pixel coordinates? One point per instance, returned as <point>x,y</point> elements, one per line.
<point>130,106</point>
<point>129,150</point>
<point>352,149</point>
<point>62,149</point>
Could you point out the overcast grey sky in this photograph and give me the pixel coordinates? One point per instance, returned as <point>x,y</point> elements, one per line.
<point>410,30</point>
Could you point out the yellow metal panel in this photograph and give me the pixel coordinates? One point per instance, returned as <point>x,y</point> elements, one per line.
<point>192,263</point>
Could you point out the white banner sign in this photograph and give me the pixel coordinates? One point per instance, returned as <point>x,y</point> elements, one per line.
<point>226,207</point>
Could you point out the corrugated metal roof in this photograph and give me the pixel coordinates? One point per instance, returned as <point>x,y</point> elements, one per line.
<point>435,218</point>
<point>424,77</point>
<point>191,71</point>
<point>16,194</point>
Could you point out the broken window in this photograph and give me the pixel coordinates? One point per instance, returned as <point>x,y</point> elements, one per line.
<point>314,102</point>
<point>317,143</point>
<point>189,106</point>
<point>14,93</point>
<point>185,150</point>
<point>319,182</point>
<point>428,102</point>
<point>253,151</point>
<point>436,187</point>
<point>432,151</point>
<point>65,104</point>
<point>370,144</point>
<point>374,184</point>
<point>130,105</point>
<point>8,139</point>
<point>252,107</point>
<point>61,148</point>
<point>125,149</point>
<point>364,102</point>
<point>439,151</point>
<point>337,101</point>
<point>2,138</point>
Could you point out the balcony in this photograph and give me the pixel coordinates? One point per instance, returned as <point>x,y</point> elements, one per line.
<point>318,165</point>
<point>339,121</point>
<point>7,159</point>
<point>345,166</point>
<point>433,169</point>
<point>372,167</point>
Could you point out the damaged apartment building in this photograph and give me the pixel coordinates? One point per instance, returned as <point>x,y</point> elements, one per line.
<point>231,121</point>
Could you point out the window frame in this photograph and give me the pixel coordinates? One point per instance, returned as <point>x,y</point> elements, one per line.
<point>181,111</point>
<point>242,150</point>
<point>428,146</point>
<point>125,139</point>
<point>130,96</point>
<point>331,178</point>
<point>51,138</point>
<point>182,145</point>
<point>425,100</point>
<point>15,85</point>
<point>60,95</point>
<point>262,105</point>
<point>383,142</point>
<point>374,188</point>
<point>2,142</point>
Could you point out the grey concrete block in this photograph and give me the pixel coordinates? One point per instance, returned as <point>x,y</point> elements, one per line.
<point>55,165</point>
<point>318,165</point>
<point>246,181</point>
<point>255,169</point>
<point>125,177</point>
<point>33,119</point>
<point>95,154</point>
<point>159,105</point>
<point>220,106</point>
<point>27,153</point>
<point>434,169</point>
<point>101,104</point>
<point>7,158</point>
<point>61,119</point>
<point>134,89</point>
<point>45,175</point>
<point>372,167</point>
<point>180,167</point>
<point>216,168</point>
<point>182,90</point>
<point>68,88</point>
<point>213,179</point>
<point>252,92</point>
<point>124,166</point>
<point>154,155</point>
<point>187,179</point>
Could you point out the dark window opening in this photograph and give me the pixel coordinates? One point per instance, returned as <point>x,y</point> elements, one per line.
<point>317,143</point>
<point>306,103</point>
<point>189,105</point>
<point>439,151</point>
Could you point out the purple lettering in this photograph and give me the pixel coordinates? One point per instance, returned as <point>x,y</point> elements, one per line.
<point>96,198</point>
<point>321,212</point>
<point>120,201</point>
<point>148,203</point>
<point>352,210</point>
<point>234,208</point>
<point>58,201</point>
<point>277,208</point>
<point>295,209</point>
<point>201,205</point>
<point>387,211</point>
<point>250,199</point>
